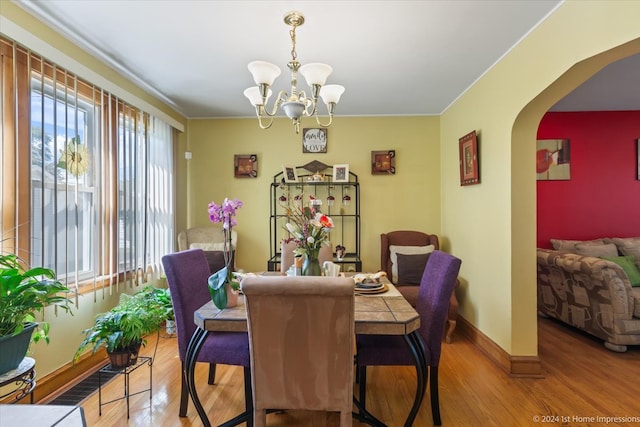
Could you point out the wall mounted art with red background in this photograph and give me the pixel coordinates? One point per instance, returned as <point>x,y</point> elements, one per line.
<point>602,198</point>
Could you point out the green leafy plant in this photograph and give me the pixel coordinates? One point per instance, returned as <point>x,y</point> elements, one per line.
<point>127,324</point>
<point>25,291</point>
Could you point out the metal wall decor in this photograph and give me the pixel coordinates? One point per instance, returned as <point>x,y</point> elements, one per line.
<point>245,165</point>
<point>383,162</point>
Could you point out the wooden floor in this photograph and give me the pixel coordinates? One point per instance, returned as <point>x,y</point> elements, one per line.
<point>582,379</point>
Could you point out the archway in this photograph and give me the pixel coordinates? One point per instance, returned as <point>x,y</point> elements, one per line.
<point>523,200</point>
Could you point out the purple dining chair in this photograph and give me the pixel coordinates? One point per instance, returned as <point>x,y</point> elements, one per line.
<point>187,273</point>
<point>436,286</point>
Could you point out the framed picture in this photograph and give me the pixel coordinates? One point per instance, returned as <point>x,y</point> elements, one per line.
<point>290,174</point>
<point>314,140</point>
<point>553,159</point>
<point>383,162</point>
<point>245,165</point>
<point>638,153</point>
<point>469,164</point>
<point>340,173</point>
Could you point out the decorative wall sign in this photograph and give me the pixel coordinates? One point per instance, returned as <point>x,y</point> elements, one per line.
<point>383,162</point>
<point>341,173</point>
<point>314,140</point>
<point>289,174</point>
<point>553,159</point>
<point>245,165</point>
<point>469,163</point>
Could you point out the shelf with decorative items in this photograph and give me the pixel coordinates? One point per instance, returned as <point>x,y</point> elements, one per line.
<point>312,186</point>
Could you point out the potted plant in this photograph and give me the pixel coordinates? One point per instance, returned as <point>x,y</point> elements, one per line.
<point>23,292</point>
<point>122,330</point>
<point>163,298</point>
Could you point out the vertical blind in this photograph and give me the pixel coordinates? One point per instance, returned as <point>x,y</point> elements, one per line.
<point>87,179</point>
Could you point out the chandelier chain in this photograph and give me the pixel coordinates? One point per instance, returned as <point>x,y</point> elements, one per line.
<point>292,33</point>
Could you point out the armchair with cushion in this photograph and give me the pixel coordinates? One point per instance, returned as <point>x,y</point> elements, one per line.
<point>211,241</point>
<point>403,256</point>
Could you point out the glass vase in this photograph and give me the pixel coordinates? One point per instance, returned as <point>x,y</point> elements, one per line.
<point>311,265</point>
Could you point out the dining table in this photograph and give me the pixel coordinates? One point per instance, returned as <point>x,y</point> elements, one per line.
<point>380,313</point>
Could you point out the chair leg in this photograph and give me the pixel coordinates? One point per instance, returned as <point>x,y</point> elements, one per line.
<point>452,327</point>
<point>248,396</point>
<point>184,393</point>
<point>435,400</point>
<point>260,417</point>
<point>212,373</point>
<point>346,419</point>
<point>362,376</point>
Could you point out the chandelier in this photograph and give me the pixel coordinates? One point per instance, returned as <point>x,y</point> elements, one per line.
<point>296,104</point>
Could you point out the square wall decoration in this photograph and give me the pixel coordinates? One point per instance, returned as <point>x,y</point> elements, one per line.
<point>383,162</point>
<point>245,165</point>
<point>553,159</point>
<point>314,140</point>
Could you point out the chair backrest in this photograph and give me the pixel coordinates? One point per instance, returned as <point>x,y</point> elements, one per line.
<point>301,337</point>
<point>436,287</point>
<point>286,257</point>
<point>187,274</point>
<point>205,238</point>
<point>402,238</point>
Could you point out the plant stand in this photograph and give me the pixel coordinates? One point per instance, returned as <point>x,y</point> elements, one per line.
<point>24,378</point>
<point>142,360</point>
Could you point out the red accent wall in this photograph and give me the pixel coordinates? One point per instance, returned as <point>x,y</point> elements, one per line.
<point>602,198</point>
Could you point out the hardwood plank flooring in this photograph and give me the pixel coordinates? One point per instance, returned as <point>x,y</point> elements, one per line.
<point>582,379</point>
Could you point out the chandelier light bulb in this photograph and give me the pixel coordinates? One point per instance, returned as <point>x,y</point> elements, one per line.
<point>264,72</point>
<point>315,73</point>
<point>331,93</point>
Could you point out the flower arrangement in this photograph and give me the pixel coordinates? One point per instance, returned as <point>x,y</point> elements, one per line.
<point>224,213</point>
<point>310,230</point>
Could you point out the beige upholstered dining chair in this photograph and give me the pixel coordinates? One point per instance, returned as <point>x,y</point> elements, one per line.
<point>286,250</point>
<point>301,335</point>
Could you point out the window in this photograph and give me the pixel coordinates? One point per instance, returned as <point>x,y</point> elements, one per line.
<point>62,181</point>
<point>87,179</point>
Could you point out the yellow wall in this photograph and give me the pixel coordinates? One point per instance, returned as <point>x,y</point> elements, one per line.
<point>407,200</point>
<point>492,225</point>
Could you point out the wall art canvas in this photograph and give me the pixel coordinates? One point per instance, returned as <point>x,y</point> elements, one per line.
<point>469,163</point>
<point>553,159</point>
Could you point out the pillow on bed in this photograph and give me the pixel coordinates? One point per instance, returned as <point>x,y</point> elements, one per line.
<point>405,250</point>
<point>411,268</point>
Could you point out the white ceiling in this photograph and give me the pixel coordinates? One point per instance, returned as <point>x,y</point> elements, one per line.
<point>393,57</point>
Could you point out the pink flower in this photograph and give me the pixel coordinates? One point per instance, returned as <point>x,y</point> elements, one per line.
<point>225,212</point>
